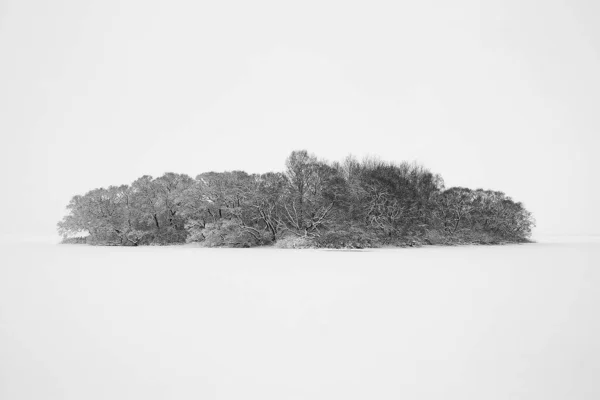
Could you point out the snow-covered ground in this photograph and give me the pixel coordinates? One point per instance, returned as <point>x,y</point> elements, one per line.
<point>507,322</point>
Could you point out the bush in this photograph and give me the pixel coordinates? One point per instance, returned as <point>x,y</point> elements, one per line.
<point>195,231</point>
<point>352,238</point>
<point>463,237</point>
<point>435,237</point>
<point>74,240</point>
<point>136,237</point>
<point>295,242</point>
<point>228,233</point>
<point>168,236</point>
<point>104,237</point>
<point>480,237</point>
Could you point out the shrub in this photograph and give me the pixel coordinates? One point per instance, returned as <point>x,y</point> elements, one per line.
<point>195,231</point>
<point>463,237</point>
<point>480,237</point>
<point>435,237</point>
<point>74,240</point>
<point>104,237</point>
<point>168,236</point>
<point>229,233</point>
<point>295,242</point>
<point>352,238</point>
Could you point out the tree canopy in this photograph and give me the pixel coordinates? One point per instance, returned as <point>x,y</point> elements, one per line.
<point>312,203</point>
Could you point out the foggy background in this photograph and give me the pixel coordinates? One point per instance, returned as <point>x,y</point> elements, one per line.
<point>500,95</point>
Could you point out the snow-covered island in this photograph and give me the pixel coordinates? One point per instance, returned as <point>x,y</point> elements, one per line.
<point>312,204</point>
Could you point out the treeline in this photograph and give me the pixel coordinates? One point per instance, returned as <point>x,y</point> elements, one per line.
<point>313,203</point>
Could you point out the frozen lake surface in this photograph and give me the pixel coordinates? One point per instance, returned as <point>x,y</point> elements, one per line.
<point>507,322</point>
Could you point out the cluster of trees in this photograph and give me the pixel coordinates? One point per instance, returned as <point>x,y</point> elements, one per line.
<point>313,203</point>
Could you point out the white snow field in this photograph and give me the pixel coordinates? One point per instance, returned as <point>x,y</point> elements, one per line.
<point>507,322</point>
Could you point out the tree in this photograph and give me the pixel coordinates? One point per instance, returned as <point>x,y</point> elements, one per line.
<point>456,206</point>
<point>147,200</point>
<point>171,189</point>
<point>105,214</point>
<point>395,199</point>
<point>265,202</point>
<point>315,191</point>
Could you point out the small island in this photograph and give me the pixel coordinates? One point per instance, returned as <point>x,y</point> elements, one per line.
<point>312,204</point>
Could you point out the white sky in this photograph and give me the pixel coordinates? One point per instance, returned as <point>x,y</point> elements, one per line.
<point>495,94</point>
